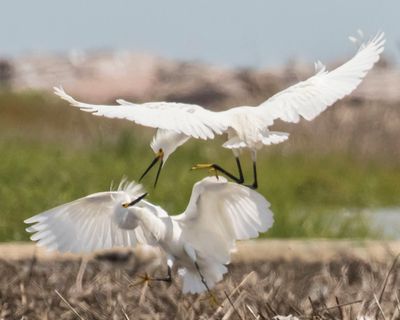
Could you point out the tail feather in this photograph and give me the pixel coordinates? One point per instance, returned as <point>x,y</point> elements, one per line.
<point>234,143</point>
<point>264,138</point>
<point>191,282</point>
<point>211,271</point>
<point>274,137</point>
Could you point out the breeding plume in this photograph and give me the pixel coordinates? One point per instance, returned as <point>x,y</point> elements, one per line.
<point>199,240</point>
<point>246,127</point>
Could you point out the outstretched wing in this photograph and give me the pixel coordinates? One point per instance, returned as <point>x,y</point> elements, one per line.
<point>83,225</point>
<point>191,120</point>
<point>218,214</point>
<point>309,98</point>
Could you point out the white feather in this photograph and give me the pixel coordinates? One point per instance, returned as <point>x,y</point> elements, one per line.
<point>218,214</point>
<point>309,98</point>
<point>247,127</point>
<point>189,119</point>
<point>89,224</point>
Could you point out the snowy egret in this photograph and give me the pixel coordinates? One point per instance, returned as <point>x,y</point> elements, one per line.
<point>246,127</point>
<point>199,240</point>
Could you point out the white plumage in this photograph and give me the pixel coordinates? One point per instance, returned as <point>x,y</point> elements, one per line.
<point>246,127</point>
<point>218,214</point>
<point>306,99</point>
<point>309,98</point>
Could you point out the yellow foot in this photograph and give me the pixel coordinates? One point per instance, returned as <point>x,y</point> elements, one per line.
<point>144,283</point>
<point>211,168</point>
<point>203,166</point>
<point>212,299</point>
<point>143,279</point>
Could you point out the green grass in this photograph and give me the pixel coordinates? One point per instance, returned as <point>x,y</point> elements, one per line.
<point>306,193</point>
<point>51,154</point>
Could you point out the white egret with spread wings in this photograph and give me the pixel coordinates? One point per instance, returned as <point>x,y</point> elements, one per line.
<point>246,127</point>
<point>199,240</point>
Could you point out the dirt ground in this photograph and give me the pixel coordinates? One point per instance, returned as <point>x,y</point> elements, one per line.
<point>308,279</point>
<point>247,251</point>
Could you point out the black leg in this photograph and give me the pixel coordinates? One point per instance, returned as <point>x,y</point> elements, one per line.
<point>241,177</point>
<point>217,168</point>
<point>227,173</point>
<point>202,278</point>
<point>254,159</point>
<point>168,278</point>
<point>255,183</point>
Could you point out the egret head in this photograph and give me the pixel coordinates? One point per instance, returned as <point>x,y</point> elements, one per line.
<point>164,143</point>
<point>135,201</point>
<point>122,215</point>
<point>128,194</point>
<point>125,202</point>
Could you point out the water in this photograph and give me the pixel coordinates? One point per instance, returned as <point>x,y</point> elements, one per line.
<point>386,220</point>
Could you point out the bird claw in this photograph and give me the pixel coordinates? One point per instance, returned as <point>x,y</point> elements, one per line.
<point>215,172</point>
<point>212,299</point>
<point>143,279</point>
<point>146,279</point>
<point>211,168</point>
<point>202,166</point>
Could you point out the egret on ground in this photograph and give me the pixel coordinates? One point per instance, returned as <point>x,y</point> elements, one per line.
<point>246,127</point>
<point>199,240</point>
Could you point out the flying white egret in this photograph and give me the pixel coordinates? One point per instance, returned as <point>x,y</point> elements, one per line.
<point>199,240</point>
<point>246,127</point>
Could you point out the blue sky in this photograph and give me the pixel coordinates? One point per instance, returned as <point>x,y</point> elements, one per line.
<point>256,33</point>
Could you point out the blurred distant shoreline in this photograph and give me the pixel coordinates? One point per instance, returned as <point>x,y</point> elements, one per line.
<point>102,76</point>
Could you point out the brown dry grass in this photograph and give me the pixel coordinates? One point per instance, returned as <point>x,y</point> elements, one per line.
<point>342,287</point>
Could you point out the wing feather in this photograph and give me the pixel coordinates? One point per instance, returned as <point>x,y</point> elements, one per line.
<point>218,214</point>
<point>309,98</point>
<point>189,119</point>
<point>83,225</point>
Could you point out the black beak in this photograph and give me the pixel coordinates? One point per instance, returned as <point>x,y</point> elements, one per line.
<point>132,203</point>
<point>159,157</point>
